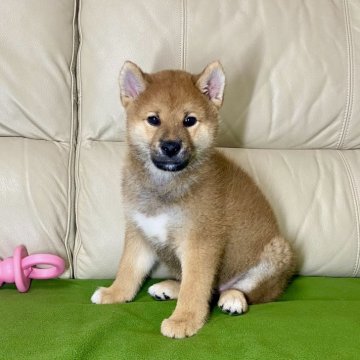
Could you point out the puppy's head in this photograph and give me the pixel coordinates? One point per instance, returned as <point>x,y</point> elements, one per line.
<point>172,116</point>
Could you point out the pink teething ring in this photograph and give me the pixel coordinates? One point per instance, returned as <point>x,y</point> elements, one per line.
<point>56,263</point>
<point>22,280</point>
<point>22,267</point>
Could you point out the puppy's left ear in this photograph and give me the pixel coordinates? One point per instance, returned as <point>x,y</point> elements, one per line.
<point>211,83</point>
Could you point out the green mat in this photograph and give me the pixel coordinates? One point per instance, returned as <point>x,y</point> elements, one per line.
<point>317,318</point>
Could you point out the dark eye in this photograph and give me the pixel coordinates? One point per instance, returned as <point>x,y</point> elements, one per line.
<point>153,120</point>
<point>189,121</point>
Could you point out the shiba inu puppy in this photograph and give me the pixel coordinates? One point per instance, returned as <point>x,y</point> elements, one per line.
<point>189,206</point>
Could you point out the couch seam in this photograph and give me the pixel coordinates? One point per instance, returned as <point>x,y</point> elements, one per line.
<point>350,79</point>
<point>62,142</point>
<point>183,40</point>
<point>356,196</point>
<point>78,241</point>
<point>70,188</point>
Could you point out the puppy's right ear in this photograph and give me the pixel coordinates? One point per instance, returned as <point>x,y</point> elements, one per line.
<point>132,82</point>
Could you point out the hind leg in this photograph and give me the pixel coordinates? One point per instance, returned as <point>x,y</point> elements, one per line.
<point>165,290</point>
<point>234,294</point>
<point>250,287</point>
<point>233,302</point>
<point>268,278</point>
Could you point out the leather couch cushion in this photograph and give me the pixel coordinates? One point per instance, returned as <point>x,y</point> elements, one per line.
<point>37,122</point>
<point>314,194</point>
<point>290,66</point>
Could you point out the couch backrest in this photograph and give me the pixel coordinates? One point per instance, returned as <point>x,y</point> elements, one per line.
<point>290,117</point>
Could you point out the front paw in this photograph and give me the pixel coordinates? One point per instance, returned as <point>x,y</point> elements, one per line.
<point>181,327</point>
<point>107,296</point>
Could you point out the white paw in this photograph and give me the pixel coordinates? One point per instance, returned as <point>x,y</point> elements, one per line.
<point>165,290</point>
<point>233,302</point>
<point>96,297</point>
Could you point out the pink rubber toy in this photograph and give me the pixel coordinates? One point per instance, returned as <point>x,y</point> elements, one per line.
<point>21,268</point>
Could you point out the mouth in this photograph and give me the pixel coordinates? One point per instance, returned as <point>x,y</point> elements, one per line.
<point>171,164</point>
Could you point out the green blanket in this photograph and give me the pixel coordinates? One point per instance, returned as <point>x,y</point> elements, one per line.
<point>317,318</point>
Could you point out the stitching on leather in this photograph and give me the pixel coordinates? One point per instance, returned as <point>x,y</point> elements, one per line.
<point>350,78</point>
<point>78,241</point>
<point>70,188</point>
<point>352,73</point>
<point>183,34</point>
<point>356,199</point>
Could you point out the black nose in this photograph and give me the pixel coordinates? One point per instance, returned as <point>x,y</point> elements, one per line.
<point>170,148</point>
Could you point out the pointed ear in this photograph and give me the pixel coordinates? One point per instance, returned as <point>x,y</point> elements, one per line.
<point>132,82</point>
<point>211,83</point>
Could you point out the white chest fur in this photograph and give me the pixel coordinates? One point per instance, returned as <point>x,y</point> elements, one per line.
<point>157,227</point>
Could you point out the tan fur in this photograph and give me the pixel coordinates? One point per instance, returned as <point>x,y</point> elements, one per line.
<point>222,233</point>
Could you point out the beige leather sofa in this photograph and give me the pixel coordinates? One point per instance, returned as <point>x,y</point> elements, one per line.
<point>291,117</point>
